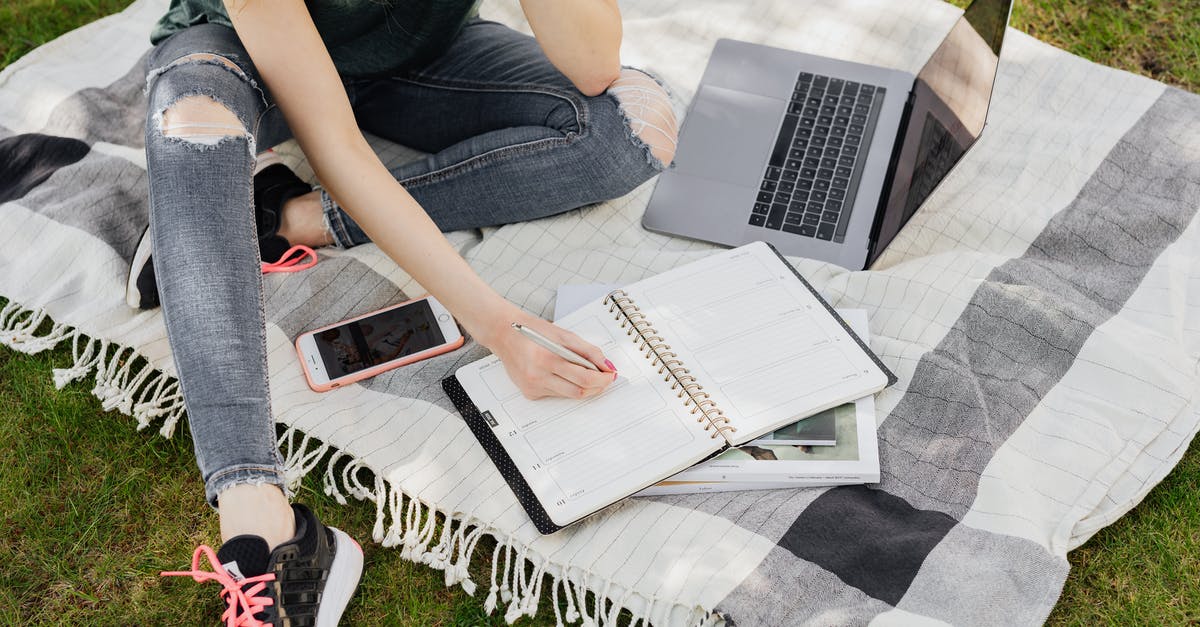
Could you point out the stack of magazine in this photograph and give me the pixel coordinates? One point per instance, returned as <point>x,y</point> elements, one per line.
<point>838,446</point>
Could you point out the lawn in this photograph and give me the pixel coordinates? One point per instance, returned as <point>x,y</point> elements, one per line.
<point>92,509</point>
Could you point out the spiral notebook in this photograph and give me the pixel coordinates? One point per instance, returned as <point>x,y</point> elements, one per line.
<point>711,355</point>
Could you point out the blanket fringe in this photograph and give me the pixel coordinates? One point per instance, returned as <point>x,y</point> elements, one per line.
<point>443,541</point>
<point>517,578</point>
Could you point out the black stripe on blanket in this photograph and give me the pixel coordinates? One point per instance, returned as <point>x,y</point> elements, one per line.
<point>881,549</point>
<point>27,160</point>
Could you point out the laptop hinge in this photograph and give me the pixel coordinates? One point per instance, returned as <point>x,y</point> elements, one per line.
<point>893,163</point>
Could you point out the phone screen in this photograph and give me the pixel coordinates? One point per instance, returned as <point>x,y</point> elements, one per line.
<point>377,339</point>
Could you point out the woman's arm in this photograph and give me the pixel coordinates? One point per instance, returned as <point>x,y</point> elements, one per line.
<point>291,58</point>
<point>582,38</point>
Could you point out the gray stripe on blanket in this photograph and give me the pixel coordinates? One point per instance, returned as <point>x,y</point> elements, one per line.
<point>99,194</point>
<point>1020,579</point>
<point>115,114</point>
<point>1025,324</point>
<point>786,590</point>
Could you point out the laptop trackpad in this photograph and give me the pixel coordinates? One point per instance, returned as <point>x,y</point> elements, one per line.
<point>728,135</point>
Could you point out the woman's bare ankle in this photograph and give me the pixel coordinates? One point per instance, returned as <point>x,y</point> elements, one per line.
<point>302,221</point>
<point>258,510</point>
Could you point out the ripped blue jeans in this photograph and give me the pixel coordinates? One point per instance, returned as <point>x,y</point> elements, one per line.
<point>508,138</point>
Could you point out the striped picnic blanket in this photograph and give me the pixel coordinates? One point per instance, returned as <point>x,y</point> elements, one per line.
<point>1042,312</point>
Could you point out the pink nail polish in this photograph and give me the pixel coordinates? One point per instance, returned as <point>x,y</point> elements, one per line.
<point>610,365</point>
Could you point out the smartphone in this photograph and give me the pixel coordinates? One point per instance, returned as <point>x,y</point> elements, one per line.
<point>372,343</point>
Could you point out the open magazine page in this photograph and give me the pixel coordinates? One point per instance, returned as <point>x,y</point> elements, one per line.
<point>854,459</point>
<point>816,430</point>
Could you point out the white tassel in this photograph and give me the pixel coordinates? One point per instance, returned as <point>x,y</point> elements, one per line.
<point>299,460</point>
<point>534,595</point>
<point>439,556</point>
<point>517,589</point>
<point>159,398</point>
<point>443,554</point>
<point>424,532</point>
<point>380,503</point>
<point>581,590</point>
<point>558,617</point>
<point>505,590</point>
<point>18,329</point>
<point>7,313</point>
<point>701,618</point>
<point>572,611</point>
<point>353,484</point>
<point>413,528</point>
<point>598,611</point>
<point>395,502</point>
<point>614,610</point>
<point>467,584</point>
<point>131,388</point>
<point>489,604</point>
<point>171,418</point>
<point>648,616</point>
<point>329,483</point>
<point>84,360</point>
<point>466,550</point>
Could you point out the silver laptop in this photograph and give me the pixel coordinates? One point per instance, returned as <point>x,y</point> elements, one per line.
<point>820,157</point>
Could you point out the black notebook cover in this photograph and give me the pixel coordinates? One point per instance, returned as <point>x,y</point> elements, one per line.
<point>483,432</point>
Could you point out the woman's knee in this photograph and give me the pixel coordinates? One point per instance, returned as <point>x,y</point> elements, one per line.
<point>202,99</point>
<point>630,137</point>
<point>649,117</point>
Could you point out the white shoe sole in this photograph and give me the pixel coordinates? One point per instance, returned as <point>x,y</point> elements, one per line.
<point>145,248</point>
<point>343,579</point>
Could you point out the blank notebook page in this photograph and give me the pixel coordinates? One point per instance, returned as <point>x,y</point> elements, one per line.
<point>578,456</point>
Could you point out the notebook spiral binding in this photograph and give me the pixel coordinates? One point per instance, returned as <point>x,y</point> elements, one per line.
<point>652,345</point>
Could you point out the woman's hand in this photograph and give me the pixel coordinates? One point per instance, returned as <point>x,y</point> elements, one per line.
<point>537,372</point>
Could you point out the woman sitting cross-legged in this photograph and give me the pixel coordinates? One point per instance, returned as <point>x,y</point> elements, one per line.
<point>516,128</point>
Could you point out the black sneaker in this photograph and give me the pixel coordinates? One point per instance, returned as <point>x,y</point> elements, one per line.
<point>274,185</point>
<point>305,582</point>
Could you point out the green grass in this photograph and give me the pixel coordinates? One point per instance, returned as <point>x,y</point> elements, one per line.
<point>92,509</point>
<point>1158,38</point>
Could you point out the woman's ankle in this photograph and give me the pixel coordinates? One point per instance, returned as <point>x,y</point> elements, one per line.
<point>302,221</point>
<point>256,509</point>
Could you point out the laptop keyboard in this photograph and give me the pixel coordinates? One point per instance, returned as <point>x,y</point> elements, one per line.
<point>809,185</point>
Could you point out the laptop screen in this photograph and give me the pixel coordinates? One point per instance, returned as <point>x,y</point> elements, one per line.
<point>949,108</point>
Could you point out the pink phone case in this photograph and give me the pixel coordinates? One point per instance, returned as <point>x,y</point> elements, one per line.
<point>370,372</point>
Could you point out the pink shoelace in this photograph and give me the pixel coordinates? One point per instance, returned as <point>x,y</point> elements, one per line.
<point>243,602</point>
<point>297,258</point>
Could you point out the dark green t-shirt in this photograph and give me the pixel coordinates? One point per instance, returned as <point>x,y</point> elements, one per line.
<point>364,37</point>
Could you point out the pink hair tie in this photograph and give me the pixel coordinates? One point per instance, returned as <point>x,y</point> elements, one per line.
<point>297,258</point>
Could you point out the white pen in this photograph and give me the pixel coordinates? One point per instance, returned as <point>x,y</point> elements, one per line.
<point>554,347</point>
